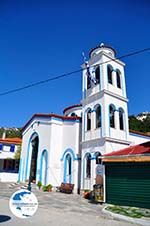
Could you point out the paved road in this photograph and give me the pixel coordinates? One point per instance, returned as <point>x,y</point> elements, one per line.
<point>57,209</point>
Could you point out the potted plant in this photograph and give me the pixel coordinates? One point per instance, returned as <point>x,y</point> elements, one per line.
<point>86,194</point>
<point>49,187</point>
<point>44,188</point>
<point>39,184</point>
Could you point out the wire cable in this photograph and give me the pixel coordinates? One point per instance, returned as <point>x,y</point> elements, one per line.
<point>70,73</point>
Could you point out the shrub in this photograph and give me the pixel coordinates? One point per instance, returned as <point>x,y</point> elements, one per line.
<point>39,184</point>
<point>44,188</point>
<point>49,187</point>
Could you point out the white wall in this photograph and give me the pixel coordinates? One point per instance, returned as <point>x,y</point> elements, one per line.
<point>43,129</point>
<point>137,139</point>
<point>8,177</point>
<point>56,136</point>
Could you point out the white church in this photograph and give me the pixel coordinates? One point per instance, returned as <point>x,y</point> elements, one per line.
<point>66,148</point>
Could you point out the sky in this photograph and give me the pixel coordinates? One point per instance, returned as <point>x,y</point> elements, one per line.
<point>41,39</point>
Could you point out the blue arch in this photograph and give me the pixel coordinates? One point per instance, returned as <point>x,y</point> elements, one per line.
<point>95,106</point>
<point>118,76</point>
<point>96,153</point>
<point>28,156</point>
<point>88,109</point>
<point>41,165</point>
<point>84,164</point>
<point>65,168</point>
<point>94,109</point>
<point>69,150</point>
<point>109,66</point>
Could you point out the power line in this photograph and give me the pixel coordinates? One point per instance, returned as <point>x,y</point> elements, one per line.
<point>70,73</point>
<point>39,83</point>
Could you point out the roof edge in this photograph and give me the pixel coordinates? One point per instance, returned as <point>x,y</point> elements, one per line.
<point>139,133</point>
<point>72,106</point>
<point>67,118</point>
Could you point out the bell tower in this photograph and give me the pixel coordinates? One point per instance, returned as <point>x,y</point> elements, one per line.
<point>105,113</point>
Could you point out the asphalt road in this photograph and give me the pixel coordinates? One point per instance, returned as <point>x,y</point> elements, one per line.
<point>57,209</point>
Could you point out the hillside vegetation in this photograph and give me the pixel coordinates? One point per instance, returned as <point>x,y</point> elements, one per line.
<point>139,125</point>
<point>11,132</point>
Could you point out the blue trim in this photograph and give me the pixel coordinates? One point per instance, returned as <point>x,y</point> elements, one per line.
<point>88,110</point>
<point>23,169</point>
<point>109,65</point>
<point>84,165</point>
<point>100,77</point>
<point>93,158</point>
<point>97,152</point>
<point>62,120</point>
<point>109,117</point>
<point>138,135</point>
<point>65,169</point>
<point>1,147</point>
<point>12,148</point>
<point>108,120</point>
<point>69,151</point>
<point>29,153</point>
<point>66,165</point>
<point>101,128</point>
<point>100,116</point>
<point>20,166</point>
<point>41,166</point>
<point>84,125</point>
<point>120,77</point>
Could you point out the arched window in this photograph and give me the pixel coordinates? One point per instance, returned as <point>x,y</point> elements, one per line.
<point>97,75</point>
<point>112,116</point>
<point>98,116</point>
<point>88,166</point>
<point>121,119</point>
<point>109,74</point>
<point>88,82</point>
<point>89,119</point>
<point>73,114</point>
<point>97,155</point>
<point>68,158</point>
<point>118,78</point>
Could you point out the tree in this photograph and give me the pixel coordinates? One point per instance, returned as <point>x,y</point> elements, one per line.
<point>18,153</point>
<point>139,125</point>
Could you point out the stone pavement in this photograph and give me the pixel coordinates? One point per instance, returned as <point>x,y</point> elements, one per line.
<point>57,209</point>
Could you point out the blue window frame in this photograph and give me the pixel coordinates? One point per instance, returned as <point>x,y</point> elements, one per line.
<point>12,148</point>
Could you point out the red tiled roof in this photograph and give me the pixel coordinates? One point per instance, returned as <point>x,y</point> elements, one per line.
<point>139,149</point>
<point>14,140</point>
<point>66,118</point>
<point>73,106</point>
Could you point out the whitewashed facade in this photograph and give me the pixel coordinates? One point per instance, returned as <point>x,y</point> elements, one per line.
<point>65,148</point>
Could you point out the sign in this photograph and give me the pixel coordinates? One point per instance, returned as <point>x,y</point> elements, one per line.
<point>99,169</point>
<point>23,203</point>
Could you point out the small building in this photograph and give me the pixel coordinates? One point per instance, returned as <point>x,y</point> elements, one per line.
<point>127,176</point>
<point>9,166</point>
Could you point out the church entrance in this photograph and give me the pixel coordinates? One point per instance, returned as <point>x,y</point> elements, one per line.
<point>35,144</point>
